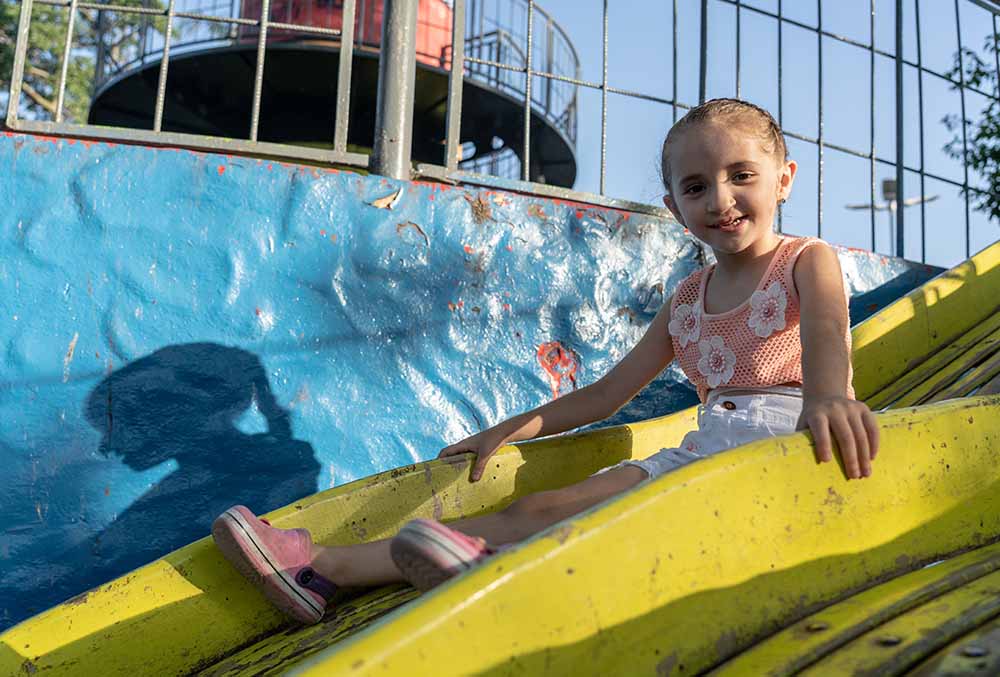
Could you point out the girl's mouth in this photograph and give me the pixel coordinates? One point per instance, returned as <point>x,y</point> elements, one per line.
<point>731,225</point>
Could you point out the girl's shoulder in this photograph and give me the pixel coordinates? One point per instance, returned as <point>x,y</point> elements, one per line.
<point>686,291</point>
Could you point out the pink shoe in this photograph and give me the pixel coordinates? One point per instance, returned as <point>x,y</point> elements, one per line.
<point>428,553</point>
<point>277,561</point>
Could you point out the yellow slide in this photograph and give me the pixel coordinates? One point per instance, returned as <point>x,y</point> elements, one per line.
<point>685,574</point>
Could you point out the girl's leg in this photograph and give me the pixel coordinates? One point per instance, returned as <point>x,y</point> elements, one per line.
<point>369,564</point>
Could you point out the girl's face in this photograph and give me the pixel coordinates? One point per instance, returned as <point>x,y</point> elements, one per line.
<point>726,188</point>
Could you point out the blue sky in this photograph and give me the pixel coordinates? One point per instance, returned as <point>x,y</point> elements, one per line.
<point>640,52</point>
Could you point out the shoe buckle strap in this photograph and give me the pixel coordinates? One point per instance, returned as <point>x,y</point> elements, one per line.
<point>308,578</point>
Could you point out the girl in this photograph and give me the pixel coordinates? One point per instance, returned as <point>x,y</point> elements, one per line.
<point>765,362</point>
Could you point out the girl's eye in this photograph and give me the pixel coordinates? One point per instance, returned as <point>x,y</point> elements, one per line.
<point>692,189</point>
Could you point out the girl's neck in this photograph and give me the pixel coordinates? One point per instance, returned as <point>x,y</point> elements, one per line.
<point>753,257</point>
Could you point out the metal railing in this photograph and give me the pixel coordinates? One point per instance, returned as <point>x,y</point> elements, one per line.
<point>524,64</point>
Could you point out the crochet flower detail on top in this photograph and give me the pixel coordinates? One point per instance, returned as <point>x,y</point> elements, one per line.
<point>684,324</point>
<point>717,361</point>
<point>767,314</point>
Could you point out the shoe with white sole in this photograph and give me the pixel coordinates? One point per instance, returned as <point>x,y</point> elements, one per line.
<point>428,553</point>
<point>277,561</point>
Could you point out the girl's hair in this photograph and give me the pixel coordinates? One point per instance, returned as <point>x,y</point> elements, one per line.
<point>753,118</point>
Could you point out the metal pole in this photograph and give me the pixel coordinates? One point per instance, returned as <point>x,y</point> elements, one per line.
<point>781,94</point>
<point>64,67</point>
<point>703,61</point>
<point>528,75</point>
<point>344,76</point>
<point>920,119</point>
<point>258,79</point>
<point>900,172</point>
<point>456,80</point>
<point>549,67</point>
<point>819,97</point>
<point>965,141</point>
<point>738,33</point>
<point>20,53</point>
<point>673,79</point>
<point>604,101</point>
<point>397,67</point>
<point>161,86</point>
<point>871,113</point>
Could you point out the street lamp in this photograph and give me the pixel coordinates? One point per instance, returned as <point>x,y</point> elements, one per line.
<point>891,204</point>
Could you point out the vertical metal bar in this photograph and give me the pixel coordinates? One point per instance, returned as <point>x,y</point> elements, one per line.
<point>920,118</point>
<point>819,145</point>
<point>900,172</point>
<point>397,66</point>
<point>235,12</point>
<point>144,40</point>
<point>965,143</point>
<point>343,111</point>
<point>161,87</point>
<point>64,66</point>
<point>738,33</point>
<point>996,54</point>
<point>703,61</point>
<point>549,66</point>
<point>20,54</point>
<point>528,76</point>
<point>871,118</point>
<point>455,82</point>
<point>497,56</point>
<point>258,78</point>
<point>99,57</point>
<point>363,33</point>
<point>781,30</point>
<point>674,65</point>
<point>604,101</point>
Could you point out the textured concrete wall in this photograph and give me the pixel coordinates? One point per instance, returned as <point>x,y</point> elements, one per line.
<point>183,331</point>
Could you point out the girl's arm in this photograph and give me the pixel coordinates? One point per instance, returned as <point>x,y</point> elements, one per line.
<point>827,410</point>
<point>592,403</point>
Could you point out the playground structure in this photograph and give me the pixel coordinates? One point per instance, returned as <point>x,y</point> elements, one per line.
<point>211,86</point>
<point>290,302</point>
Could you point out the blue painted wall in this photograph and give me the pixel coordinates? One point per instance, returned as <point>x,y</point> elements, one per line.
<point>183,331</point>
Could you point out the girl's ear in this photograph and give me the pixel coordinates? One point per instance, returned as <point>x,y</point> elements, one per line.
<point>785,180</point>
<point>672,206</point>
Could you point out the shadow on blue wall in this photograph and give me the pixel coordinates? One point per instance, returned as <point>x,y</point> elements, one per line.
<point>186,403</point>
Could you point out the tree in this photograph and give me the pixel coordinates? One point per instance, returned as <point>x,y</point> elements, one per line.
<point>116,44</point>
<point>982,133</point>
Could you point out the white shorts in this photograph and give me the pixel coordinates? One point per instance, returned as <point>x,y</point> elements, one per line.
<point>726,421</point>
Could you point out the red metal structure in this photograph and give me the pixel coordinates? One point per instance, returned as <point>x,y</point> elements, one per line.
<point>434,18</point>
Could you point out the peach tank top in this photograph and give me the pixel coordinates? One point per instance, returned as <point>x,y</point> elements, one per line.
<point>754,345</point>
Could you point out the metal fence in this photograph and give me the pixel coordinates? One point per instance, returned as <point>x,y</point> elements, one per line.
<point>529,57</point>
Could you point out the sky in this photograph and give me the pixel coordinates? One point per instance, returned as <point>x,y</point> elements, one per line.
<point>640,59</point>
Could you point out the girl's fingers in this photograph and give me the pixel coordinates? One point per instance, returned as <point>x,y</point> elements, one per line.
<point>861,441</point>
<point>871,428</point>
<point>821,436</point>
<point>848,450</point>
<point>454,450</point>
<point>479,466</point>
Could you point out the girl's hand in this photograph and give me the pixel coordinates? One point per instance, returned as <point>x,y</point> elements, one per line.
<point>483,445</point>
<point>852,424</point>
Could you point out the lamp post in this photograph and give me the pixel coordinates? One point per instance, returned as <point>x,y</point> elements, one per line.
<point>892,203</point>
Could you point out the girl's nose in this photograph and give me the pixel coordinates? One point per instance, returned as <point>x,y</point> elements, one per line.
<point>720,200</point>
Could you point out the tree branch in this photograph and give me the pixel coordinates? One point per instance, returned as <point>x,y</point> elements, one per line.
<point>39,72</point>
<point>47,104</point>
